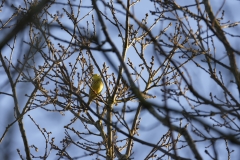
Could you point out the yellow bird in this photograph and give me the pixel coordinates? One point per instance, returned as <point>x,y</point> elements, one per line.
<point>96,88</point>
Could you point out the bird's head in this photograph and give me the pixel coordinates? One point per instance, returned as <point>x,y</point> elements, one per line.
<point>94,76</point>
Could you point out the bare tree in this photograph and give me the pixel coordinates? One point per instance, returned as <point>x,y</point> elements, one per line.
<point>170,71</point>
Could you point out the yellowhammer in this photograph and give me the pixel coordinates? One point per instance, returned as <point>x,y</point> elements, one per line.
<point>96,87</point>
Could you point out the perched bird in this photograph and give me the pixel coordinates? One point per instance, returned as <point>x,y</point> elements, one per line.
<point>96,88</point>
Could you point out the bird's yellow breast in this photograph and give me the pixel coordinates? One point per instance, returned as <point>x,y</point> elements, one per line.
<point>97,86</point>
